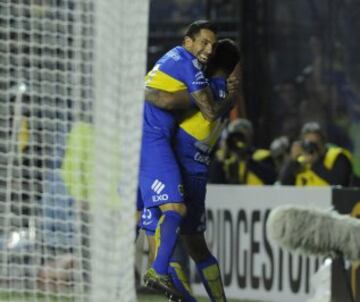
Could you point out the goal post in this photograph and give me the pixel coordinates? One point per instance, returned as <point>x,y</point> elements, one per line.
<point>123,86</point>
<point>71,79</point>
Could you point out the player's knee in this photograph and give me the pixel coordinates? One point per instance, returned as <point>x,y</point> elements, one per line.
<point>177,207</point>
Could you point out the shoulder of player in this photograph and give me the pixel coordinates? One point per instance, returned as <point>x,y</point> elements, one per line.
<point>180,56</point>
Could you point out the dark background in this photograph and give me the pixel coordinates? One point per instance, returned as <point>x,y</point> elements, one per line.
<point>300,60</point>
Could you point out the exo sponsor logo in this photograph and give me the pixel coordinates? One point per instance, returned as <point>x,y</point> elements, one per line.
<point>162,197</point>
<point>157,186</point>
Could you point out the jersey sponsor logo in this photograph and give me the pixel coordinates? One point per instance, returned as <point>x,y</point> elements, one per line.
<point>202,158</point>
<point>157,186</point>
<point>203,147</point>
<point>162,197</point>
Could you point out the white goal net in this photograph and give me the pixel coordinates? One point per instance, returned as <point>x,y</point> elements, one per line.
<point>71,95</point>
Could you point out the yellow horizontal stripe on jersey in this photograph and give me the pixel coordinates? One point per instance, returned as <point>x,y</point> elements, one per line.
<point>162,81</point>
<point>197,126</point>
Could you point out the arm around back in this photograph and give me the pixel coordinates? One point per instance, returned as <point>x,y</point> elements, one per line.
<point>168,100</point>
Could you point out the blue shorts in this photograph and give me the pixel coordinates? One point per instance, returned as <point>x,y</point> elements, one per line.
<point>160,179</point>
<point>195,219</point>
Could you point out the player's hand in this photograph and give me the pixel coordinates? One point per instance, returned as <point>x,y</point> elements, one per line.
<point>234,80</point>
<point>233,85</point>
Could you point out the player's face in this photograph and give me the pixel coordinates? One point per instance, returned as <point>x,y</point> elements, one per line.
<point>202,46</point>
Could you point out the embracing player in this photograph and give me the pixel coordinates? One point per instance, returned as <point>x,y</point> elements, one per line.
<point>192,146</point>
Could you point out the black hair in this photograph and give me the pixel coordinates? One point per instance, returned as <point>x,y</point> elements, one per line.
<point>195,28</point>
<point>227,55</point>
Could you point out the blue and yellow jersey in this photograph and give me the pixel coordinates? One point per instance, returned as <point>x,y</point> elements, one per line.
<point>197,136</point>
<point>177,70</point>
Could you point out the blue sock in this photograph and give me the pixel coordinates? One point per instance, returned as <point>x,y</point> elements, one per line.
<point>180,281</point>
<point>166,236</point>
<point>210,276</point>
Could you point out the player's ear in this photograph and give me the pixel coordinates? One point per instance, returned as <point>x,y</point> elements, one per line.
<point>188,42</point>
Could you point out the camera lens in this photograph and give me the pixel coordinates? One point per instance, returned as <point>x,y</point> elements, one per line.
<point>309,147</point>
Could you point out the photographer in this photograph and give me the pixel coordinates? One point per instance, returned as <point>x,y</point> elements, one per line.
<point>314,163</point>
<point>238,162</point>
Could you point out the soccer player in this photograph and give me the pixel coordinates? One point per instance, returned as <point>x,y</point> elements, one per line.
<point>193,144</point>
<point>160,178</point>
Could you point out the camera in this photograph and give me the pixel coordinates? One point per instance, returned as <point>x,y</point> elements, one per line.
<point>310,147</point>
<point>236,141</point>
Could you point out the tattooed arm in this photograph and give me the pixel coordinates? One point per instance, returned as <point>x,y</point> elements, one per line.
<point>203,98</point>
<point>168,100</point>
<point>210,109</point>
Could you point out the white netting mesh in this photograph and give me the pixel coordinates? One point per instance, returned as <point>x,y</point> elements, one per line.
<point>71,78</point>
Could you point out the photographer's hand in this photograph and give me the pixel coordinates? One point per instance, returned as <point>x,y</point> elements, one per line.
<point>296,150</point>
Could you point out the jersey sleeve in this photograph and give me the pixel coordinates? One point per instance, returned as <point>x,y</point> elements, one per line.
<point>176,74</point>
<point>163,79</point>
<point>177,70</point>
<point>192,75</point>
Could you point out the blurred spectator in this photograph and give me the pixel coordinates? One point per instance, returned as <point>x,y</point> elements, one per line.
<point>279,149</point>
<point>65,211</point>
<point>238,161</point>
<point>313,162</point>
